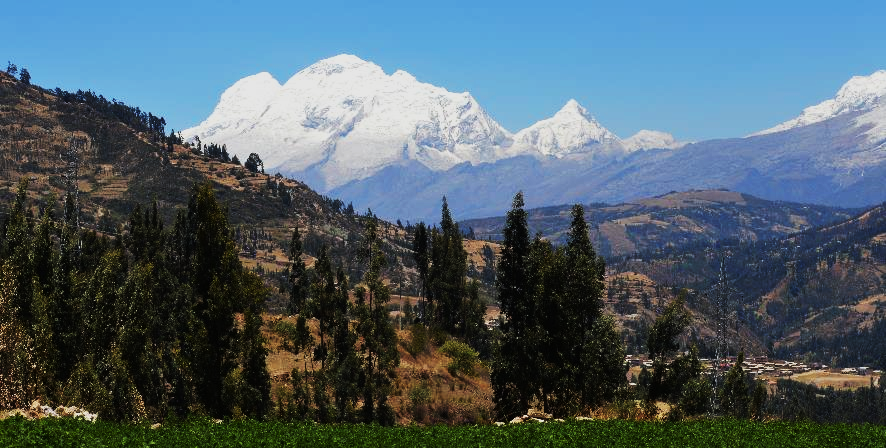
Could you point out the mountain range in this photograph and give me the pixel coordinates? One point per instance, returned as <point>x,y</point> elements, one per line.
<point>814,293</point>
<point>397,145</point>
<point>682,219</point>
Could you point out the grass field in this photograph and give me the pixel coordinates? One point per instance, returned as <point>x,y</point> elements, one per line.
<point>611,434</point>
<point>836,380</point>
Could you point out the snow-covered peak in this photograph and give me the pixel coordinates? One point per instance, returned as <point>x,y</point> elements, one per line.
<point>860,93</point>
<point>241,103</point>
<point>571,130</point>
<point>573,109</point>
<point>345,118</point>
<point>338,64</point>
<point>646,139</point>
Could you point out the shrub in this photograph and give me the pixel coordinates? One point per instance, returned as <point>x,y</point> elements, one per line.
<point>419,397</point>
<point>418,342</point>
<point>462,357</point>
<point>696,397</point>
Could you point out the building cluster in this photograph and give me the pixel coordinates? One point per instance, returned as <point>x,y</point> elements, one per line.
<point>762,366</point>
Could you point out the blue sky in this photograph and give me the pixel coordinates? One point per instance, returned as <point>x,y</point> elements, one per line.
<point>696,69</point>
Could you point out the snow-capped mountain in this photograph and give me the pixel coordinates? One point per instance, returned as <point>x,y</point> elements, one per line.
<point>571,130</point>
<point>834,154</point>
<point>860,93</point>
<point>397,145</point>
<point>344,119</point>
<point>646,139</point>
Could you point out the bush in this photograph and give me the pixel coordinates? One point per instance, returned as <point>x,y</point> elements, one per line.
<point>418,342</point>
<point>462,357</point>
<point>696,397</point>
<point>419,397</point>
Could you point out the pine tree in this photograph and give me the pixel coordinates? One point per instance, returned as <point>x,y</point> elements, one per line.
<point>345,364</point>
<point>602,363</point>
<point>254,163</point>
<point>17,251</point>
<point>323,296</point>
<point>379,340</point>
<point>205,250</point>
<point>667,379</point>
<point>473,311</point>
<point>734,397</point>
<point>514,369</point>
<point>545,334</point>
<point>298,276</point>
<point>446,275</point>
<point>65,294</point>
<point>255,394</point>
<point>422,261</point>
<point>595,377</point>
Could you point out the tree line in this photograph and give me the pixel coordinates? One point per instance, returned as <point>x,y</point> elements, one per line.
<point>159,322</point>
<point>166,321</point>
<point>354,357</point>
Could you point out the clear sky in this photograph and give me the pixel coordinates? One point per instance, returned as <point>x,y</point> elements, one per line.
<point>696,69</point>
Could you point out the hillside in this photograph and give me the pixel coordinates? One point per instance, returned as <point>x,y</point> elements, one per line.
<point>119,164</point>
<point>120,167</point>
<point>673,219</point>
<point>816,294</point>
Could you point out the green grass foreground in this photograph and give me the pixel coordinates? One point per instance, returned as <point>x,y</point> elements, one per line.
<point>609,434</point>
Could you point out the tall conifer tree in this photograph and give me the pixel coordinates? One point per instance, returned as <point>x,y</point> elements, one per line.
<point>379,340</point>
<point>515,369</point>
<point>298,278</point>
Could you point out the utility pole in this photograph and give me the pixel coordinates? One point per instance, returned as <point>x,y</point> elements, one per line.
<point>721,303</point>
<point>72,161</point>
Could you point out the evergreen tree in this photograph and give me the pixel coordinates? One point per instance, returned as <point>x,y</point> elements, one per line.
<point>446,275</point>
<point>595,377</point>
<point>298,276</point>
<point>345,365</point>
<point>323,296</point>
<point>472,312</point>
<point>254,163</point>
<point>213,271</point>
<point>421,255</point>
<point>379,340</point>
<point>602,363</point>
<point>667,379</point>
<point>552,383</point>
<point>65,293</point>
<point>734,396</point>
<point>25,77</point>
<point>515,368</point>
<point>17,251</point>
<point>255,393</point>
<point>296,339</point>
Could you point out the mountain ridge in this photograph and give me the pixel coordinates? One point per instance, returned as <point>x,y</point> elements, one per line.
<point>334,118</point>
<point>674,219</point>
<point>349,129</point>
